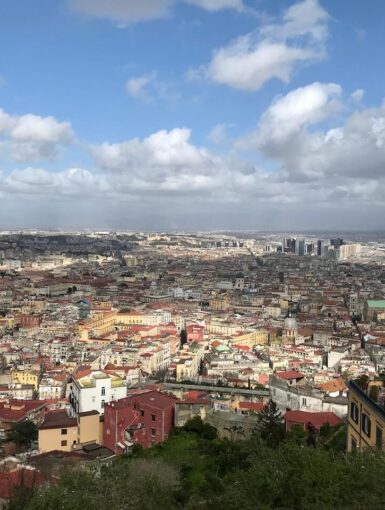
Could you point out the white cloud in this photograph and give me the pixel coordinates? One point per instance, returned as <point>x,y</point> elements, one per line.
<point>218,5</point>
<point>298,109</point>
<point>149,88</point>
<point>31,137</point>
<point>70,182</point>
<point>123,11</point>
<point>126,12</point>
<point>338,158</point>
<point>137,87</point>
<point>322,166</point>
<point>272,51</point>
<point>358,95</point>
<point>247,66</point>
<point>219,134</point>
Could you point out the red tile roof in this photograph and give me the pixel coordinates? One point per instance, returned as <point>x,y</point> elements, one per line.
<point>18,410</point>
<point>290,374</point>
<point>314,419</point>
<point>252,406</point>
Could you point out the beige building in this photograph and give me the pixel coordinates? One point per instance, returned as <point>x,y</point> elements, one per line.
<point>60,432</point>
<point>366,421</point>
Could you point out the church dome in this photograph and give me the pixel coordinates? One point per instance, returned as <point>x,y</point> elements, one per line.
<point>290,323</point>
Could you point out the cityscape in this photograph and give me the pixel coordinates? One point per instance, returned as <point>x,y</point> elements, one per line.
<point>110,340</point>
<point>192,255</point>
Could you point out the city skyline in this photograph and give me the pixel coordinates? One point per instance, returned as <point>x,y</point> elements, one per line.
<point>192,114</point>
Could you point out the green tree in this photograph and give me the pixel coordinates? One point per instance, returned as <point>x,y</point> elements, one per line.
<point>374,393</point>
<point>270,425</point>
<point>201,429</point>
<point>362,381</point>
<point>23,433</point>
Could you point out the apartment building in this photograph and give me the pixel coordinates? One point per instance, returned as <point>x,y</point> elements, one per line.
<point>366,421</point>
<point>92,389</point>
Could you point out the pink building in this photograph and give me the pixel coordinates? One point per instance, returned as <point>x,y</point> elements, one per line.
<point>195,333</point>
<point>143,418</point>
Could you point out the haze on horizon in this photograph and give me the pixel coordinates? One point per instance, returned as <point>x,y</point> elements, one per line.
<point>192,114</point>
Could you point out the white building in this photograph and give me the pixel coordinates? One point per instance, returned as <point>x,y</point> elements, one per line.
<point>92,389</point>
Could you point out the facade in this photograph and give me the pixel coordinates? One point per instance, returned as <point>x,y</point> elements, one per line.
<point>61,432</point>
<point>289,395</point>
<point>30,377</point>
<point>144,418</point>
<point>366,421</point>
<point>91,390</point>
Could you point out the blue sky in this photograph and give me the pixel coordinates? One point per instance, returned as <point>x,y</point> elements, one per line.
<point>195,114</point>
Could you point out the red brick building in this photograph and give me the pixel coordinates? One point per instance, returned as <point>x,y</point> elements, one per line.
<point>144,418</point>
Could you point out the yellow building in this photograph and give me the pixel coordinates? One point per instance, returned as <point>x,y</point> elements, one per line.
<point>60,432</point>
<point>366,421</point>
<point>99,325</point>
<point>30,377</point>
<point>219,303</point>
<point>251,338</point>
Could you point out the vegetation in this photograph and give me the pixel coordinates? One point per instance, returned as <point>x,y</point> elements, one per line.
<point>23,433</point>
<point>195,469</point>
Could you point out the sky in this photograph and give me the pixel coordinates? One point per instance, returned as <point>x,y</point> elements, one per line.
<point>192,114</point>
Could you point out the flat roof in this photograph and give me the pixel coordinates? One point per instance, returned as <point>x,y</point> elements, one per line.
<point>376,303</point>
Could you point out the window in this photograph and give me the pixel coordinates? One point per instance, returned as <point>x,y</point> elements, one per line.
<point>142,412</point>
<point>366,424</point>
<point>103,390</point>
<point>74,442</point>
<point>102,404</point>
<point>63,432</point>
<point>153,432</point>
<point>379,437</point>
<point>354,412</point>
<point>304,401</point>
<point>63,443</point>
<point>153,417</point>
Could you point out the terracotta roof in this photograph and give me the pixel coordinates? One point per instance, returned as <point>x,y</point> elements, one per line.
<point>314,419</point>
<point>290,374</point>
<point>18,410</point>
<point>252,406</point>
<point>332,386</point>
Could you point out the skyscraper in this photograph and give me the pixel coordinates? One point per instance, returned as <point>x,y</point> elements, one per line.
<point>300,247</point>
<point>320,248</point>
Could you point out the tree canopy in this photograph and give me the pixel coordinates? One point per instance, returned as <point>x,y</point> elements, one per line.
<point>195,469</point>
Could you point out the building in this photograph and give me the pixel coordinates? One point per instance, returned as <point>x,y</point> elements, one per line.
<point>61,432</point>
<point>321,249</point>
<point>29,377</point>
<point>292,393</point>
<point>143,418</point>
<point>17,411</point>
<point>300,247</point>
<point>346,251</point>
<point>310,421</point>
<point>195,332</point>
<point>290,330</point>
<point>92,389</point>
<point>374,309</point>
<point>366,421</point>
